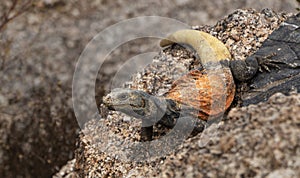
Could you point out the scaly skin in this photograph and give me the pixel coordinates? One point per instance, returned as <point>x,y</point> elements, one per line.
<point>140,104</point>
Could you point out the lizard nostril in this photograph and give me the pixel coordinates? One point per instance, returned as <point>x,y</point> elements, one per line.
<point>106,99</point>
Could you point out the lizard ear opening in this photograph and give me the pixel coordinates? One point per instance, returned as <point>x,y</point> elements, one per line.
<point>138,103</point>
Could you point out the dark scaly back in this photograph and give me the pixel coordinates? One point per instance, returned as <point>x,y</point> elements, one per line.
<point>285,44</point>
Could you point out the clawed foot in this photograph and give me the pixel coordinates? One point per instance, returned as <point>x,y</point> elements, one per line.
<point>265,62</point>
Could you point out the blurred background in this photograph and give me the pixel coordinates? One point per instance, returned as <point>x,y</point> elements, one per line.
<point>40,42</point>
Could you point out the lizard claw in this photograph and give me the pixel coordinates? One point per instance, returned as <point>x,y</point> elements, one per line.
<point>266,62</point>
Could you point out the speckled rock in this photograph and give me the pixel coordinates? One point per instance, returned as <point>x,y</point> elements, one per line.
<point>258,140</point>
<point>39,50</point>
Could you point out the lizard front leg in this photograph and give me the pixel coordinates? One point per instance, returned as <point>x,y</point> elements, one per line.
<point>146,131</point>
<point>244,70</point>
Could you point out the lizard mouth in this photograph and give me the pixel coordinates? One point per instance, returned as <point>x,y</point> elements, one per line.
<point>113,107</point>
<point>110,107</point>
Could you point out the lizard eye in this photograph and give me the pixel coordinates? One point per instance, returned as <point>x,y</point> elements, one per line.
<point>123,97</point>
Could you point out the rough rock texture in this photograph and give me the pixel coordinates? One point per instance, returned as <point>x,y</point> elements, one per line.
<point>38,52</point>
<point>241,146</point>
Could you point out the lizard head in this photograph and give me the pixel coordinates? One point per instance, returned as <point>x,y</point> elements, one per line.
<point>126,100</point>
<point>135,103</point>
